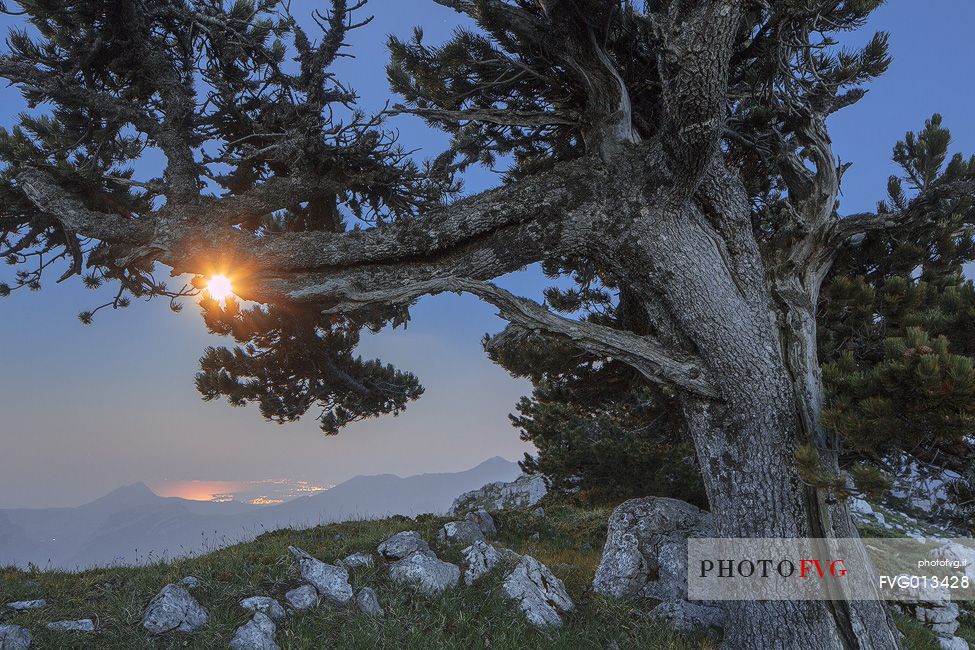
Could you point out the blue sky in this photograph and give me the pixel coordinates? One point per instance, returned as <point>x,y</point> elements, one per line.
<point>86,409</point>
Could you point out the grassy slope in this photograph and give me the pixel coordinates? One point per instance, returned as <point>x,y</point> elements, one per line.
<point>569,542</point>
<point>462,618</point>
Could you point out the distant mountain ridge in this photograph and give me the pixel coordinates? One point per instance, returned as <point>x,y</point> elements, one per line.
<point>133,525</point>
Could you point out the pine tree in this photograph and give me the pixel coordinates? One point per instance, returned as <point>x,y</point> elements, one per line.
<point>675,152</point>
<point>897,328</point>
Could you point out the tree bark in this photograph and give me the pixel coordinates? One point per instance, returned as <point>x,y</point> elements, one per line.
<point>712,281</point>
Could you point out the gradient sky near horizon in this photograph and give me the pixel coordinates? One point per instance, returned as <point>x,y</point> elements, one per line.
<point>84,410</point>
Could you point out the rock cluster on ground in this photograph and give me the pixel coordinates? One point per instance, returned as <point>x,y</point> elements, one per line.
<point>541,596</point>
<point>368,602</point>
<point>425,571</point>
<point>303,597</point>
<point>265,605</point>
<point>257,634</point>
<point>403,544</point>
<point>934,609</point>
<point>645,555</point>
<point>356,560</point>
<point>174,610</point>
<point>22,605</point>
<point>14,637</point>
<point>81,625</point>
<point>523,492</point>
<point>460,532</point>
<point>332,582</point>
<point>479,559</point>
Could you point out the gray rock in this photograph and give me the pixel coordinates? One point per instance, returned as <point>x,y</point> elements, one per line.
<point>425,571</point>
<point>332,582</point>
<point>368,602</point>
<point>256,634</point>
<point>946,613</point>
<point>356,560</point>
<point>523,492</point>
<point>14,637</point>
<point>539,512</point>
<point>484,521</point>
<point>174,609</point>
<point>21,605</point>
<point>645,555</point>
<point>265,605</point>
<point>81,625</point>
<point>945,629</point>
<point>952,643</point>
<point>190,582</point>
<point>688,617</point>
<point>479,559</point>
<point>402,545</point>
<point>304,597</point>
<point>538,592</point>
<point>460,532</point>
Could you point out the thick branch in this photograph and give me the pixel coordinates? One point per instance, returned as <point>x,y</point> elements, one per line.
<point>493,116</point>
<point>921,212</point>
<point>551,199</point>
<point>645,354</point>
<point>44,192</point>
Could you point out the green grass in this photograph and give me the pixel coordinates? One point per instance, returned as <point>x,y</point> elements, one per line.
<point>569,542</point>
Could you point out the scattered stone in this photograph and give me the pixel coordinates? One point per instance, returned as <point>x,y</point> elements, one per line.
<point>356,560</point>
<point>256,634</point>
<point>539,593</point>
<point>265,605</point>
<point>82,625</point>
<point>586,547</point>
<point>933,608</point>
<point>368,602</point>
<point>22,605</point>
<point>174,609</point>
<point>190,582</point>
<point>460,532</point>
<point>523,492</point>
<point>402,545</point>
<point>955,552</point>
<point>338,537</point>
<point>479,558</point>
<point>535,536</point>
<point>304,597</point>
<point>539,512</point>
<point>484,521</point>
<point>645,555</point>
<point>952,643</point>
<point>14,637</point>
<point>684,616</point>
<point>425,571</point>
<point>332,582</point>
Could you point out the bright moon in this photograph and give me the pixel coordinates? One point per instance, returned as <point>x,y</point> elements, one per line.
<point>219,287</point>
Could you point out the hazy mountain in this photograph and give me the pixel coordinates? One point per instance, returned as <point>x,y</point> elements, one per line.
<point>133,525</point>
